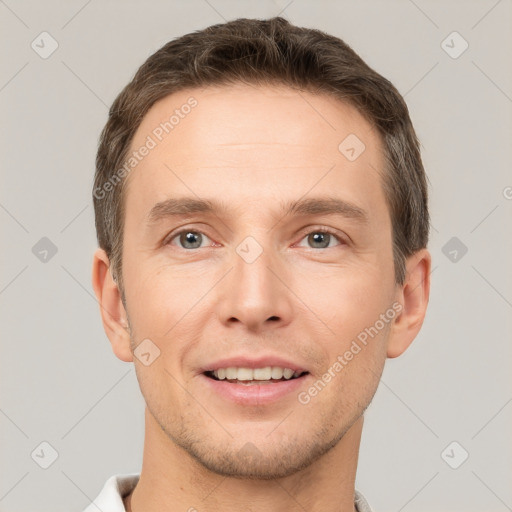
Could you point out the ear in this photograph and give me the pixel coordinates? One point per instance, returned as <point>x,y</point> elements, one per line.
<point>413,295</point>
<point>112,310</point>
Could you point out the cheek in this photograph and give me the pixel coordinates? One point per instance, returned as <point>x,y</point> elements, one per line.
<point>346,297</point>
<point>160,296</point>
<point>353,372</point>
<point>354,307</point>
<point>161,393</point>
<point>165,306</point>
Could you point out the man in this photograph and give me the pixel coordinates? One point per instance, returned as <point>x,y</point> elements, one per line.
<point>293,171</point>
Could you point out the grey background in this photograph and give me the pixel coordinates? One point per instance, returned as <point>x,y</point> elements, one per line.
<point>59,379</point>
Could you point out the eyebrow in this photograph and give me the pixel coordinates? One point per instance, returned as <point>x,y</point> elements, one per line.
<point>186,206</point>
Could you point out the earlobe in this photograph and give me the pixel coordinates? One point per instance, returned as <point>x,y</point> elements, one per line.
<point>413,296</point>
<point>112,310</point>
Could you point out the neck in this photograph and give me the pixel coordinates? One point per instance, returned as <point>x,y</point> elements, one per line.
<point>172,480</point>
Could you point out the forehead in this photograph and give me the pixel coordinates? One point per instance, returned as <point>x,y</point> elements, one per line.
<point>251,142</point>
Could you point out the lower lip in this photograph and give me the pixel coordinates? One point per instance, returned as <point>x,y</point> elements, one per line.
<point>254,394</point>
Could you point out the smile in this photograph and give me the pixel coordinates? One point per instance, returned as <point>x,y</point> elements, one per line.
<point>252,376</point>
<point>254,386</point>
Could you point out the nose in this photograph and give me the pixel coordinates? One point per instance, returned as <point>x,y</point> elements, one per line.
<point>255,293</point>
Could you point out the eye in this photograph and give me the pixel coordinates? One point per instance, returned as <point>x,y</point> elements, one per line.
<point>188,238</point>
<point>321,238</point>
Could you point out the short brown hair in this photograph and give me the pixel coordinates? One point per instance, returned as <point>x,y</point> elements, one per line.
<point>265,52</point>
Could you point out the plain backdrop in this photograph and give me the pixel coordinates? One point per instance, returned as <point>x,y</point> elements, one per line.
<point>449,396</point>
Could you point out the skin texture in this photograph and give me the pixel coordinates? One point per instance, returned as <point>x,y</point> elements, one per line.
<point>253,147</point>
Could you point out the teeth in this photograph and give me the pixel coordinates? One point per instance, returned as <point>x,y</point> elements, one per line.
<point>246,374</point>
<point>277,372</point>
<point>231,373</point>
<point>288,374</point>
<point>262,373</point>
<point>243,374</point>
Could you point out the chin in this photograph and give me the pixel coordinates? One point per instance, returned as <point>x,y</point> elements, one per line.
<point>261,460</point>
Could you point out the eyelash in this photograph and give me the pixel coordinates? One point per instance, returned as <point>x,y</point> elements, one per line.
<point>331,232</point>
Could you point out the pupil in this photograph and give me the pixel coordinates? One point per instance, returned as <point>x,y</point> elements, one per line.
<point>320,238</point>
<point>191,237</point>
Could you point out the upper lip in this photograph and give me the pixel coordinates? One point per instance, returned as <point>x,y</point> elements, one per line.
<point>254,362</point>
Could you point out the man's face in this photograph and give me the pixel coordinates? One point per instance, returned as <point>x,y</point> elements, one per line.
<point>254,282</point>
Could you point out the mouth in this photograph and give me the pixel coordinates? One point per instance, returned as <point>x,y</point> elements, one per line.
<point>254,376</point>
<point>249,380</point>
